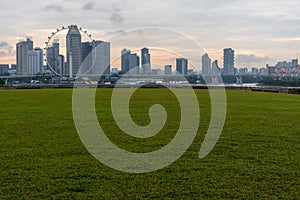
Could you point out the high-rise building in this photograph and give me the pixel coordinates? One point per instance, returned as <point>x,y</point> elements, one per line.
<point>263,71</point>
<point>243,71</point>
<point>102,58</point>
<point>182,66</point>
<point>168,70</point>
<point>35,61</point>
<point>206,65</point>
<point>270,70</point>
<point>22,54</point>
<point>295,62</point>
<point>61,65</point>
<point>86,49</point>
<point>125,60</point>
<point>96,57</point>
<point>254,71</point>
<point>146,61</point>
<point>52,57</point>
<point>130,62</point>
<point>55,46</point>
<point>134,66</point>
<point>4,69</point>
<point>215,68</point>
<point>229,61</point>
<point>73,40</point>
<point>86,56</point>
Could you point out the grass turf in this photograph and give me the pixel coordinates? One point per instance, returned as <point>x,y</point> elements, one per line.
<point>41,155</point>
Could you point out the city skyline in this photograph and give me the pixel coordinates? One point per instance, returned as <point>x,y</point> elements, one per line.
<point>260,32</point>
<point>132,61</point>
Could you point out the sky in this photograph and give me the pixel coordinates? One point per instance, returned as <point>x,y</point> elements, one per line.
<point>260,31</point>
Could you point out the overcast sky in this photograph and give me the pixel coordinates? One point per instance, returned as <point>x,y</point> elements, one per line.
<point>260,31</point>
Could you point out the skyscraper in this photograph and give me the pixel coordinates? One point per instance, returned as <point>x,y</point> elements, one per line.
<point>146,61</point>
<point>96,57</point>
<point>61,65</point>
<point>125,60</point>
<point>52,56</point>
<point>35,61</point>
<point>86,49</point>
<point>73,41</point>
<point>130,62</point>
<point>102,58</point>
<point>182,66</point>
<point>206,65</point>
<point>134,66</point>
<point>215,68</point>
<point>229,61</point>
<point>22,55</point>
<point>86,56</point>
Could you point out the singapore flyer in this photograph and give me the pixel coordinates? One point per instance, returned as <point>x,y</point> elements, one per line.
<point>62,54</point>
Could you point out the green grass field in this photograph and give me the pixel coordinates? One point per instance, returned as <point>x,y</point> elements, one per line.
<point>42,157</point>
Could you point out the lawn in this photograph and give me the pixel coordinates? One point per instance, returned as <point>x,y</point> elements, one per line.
<point>256,157</point>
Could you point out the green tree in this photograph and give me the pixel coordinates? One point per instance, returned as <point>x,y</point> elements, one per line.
<point>2,82</point>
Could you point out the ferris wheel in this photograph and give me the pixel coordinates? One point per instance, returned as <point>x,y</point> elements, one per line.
<point>52,37</point>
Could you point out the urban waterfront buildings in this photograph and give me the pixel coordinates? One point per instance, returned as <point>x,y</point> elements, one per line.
<point>228,61</point>
<point>30,60</point>
<point>35,61</point>
<point>22,54</point>
<point>206,65</point>
<point>215,68</point>
<point>86,49</point>
<point>96,57</point>
<point>146,61</point>
<point>52,57</point>
<point>101,59</point>
<point>4,69</point>
<point>130,62</point>
<point>182,66</point>
<point>284,69</point>
<point>134,66</point>
<point>62,65</point>
<point>73,44</point>
<point>125,60</point>
<point>168,70</point>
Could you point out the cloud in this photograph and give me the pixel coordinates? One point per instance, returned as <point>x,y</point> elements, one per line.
<point>116,18</point>
<point>251,59</point>
<point>88,6</point>
<point>6,49</point>
<point>260,30</point>
<point>2,53</point>
<point>54,8</point>
<point>119,32</point>
<point>3,44</point>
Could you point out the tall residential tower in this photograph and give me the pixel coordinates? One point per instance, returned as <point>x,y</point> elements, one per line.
<point>22,55</point>
<point>206,65</point>
<point>182,66</point>
<point>146,61</point>
<point>35,61</point>
<point>228,61</point>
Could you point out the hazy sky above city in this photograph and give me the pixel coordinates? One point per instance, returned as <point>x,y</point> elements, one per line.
<point>260,31</point>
